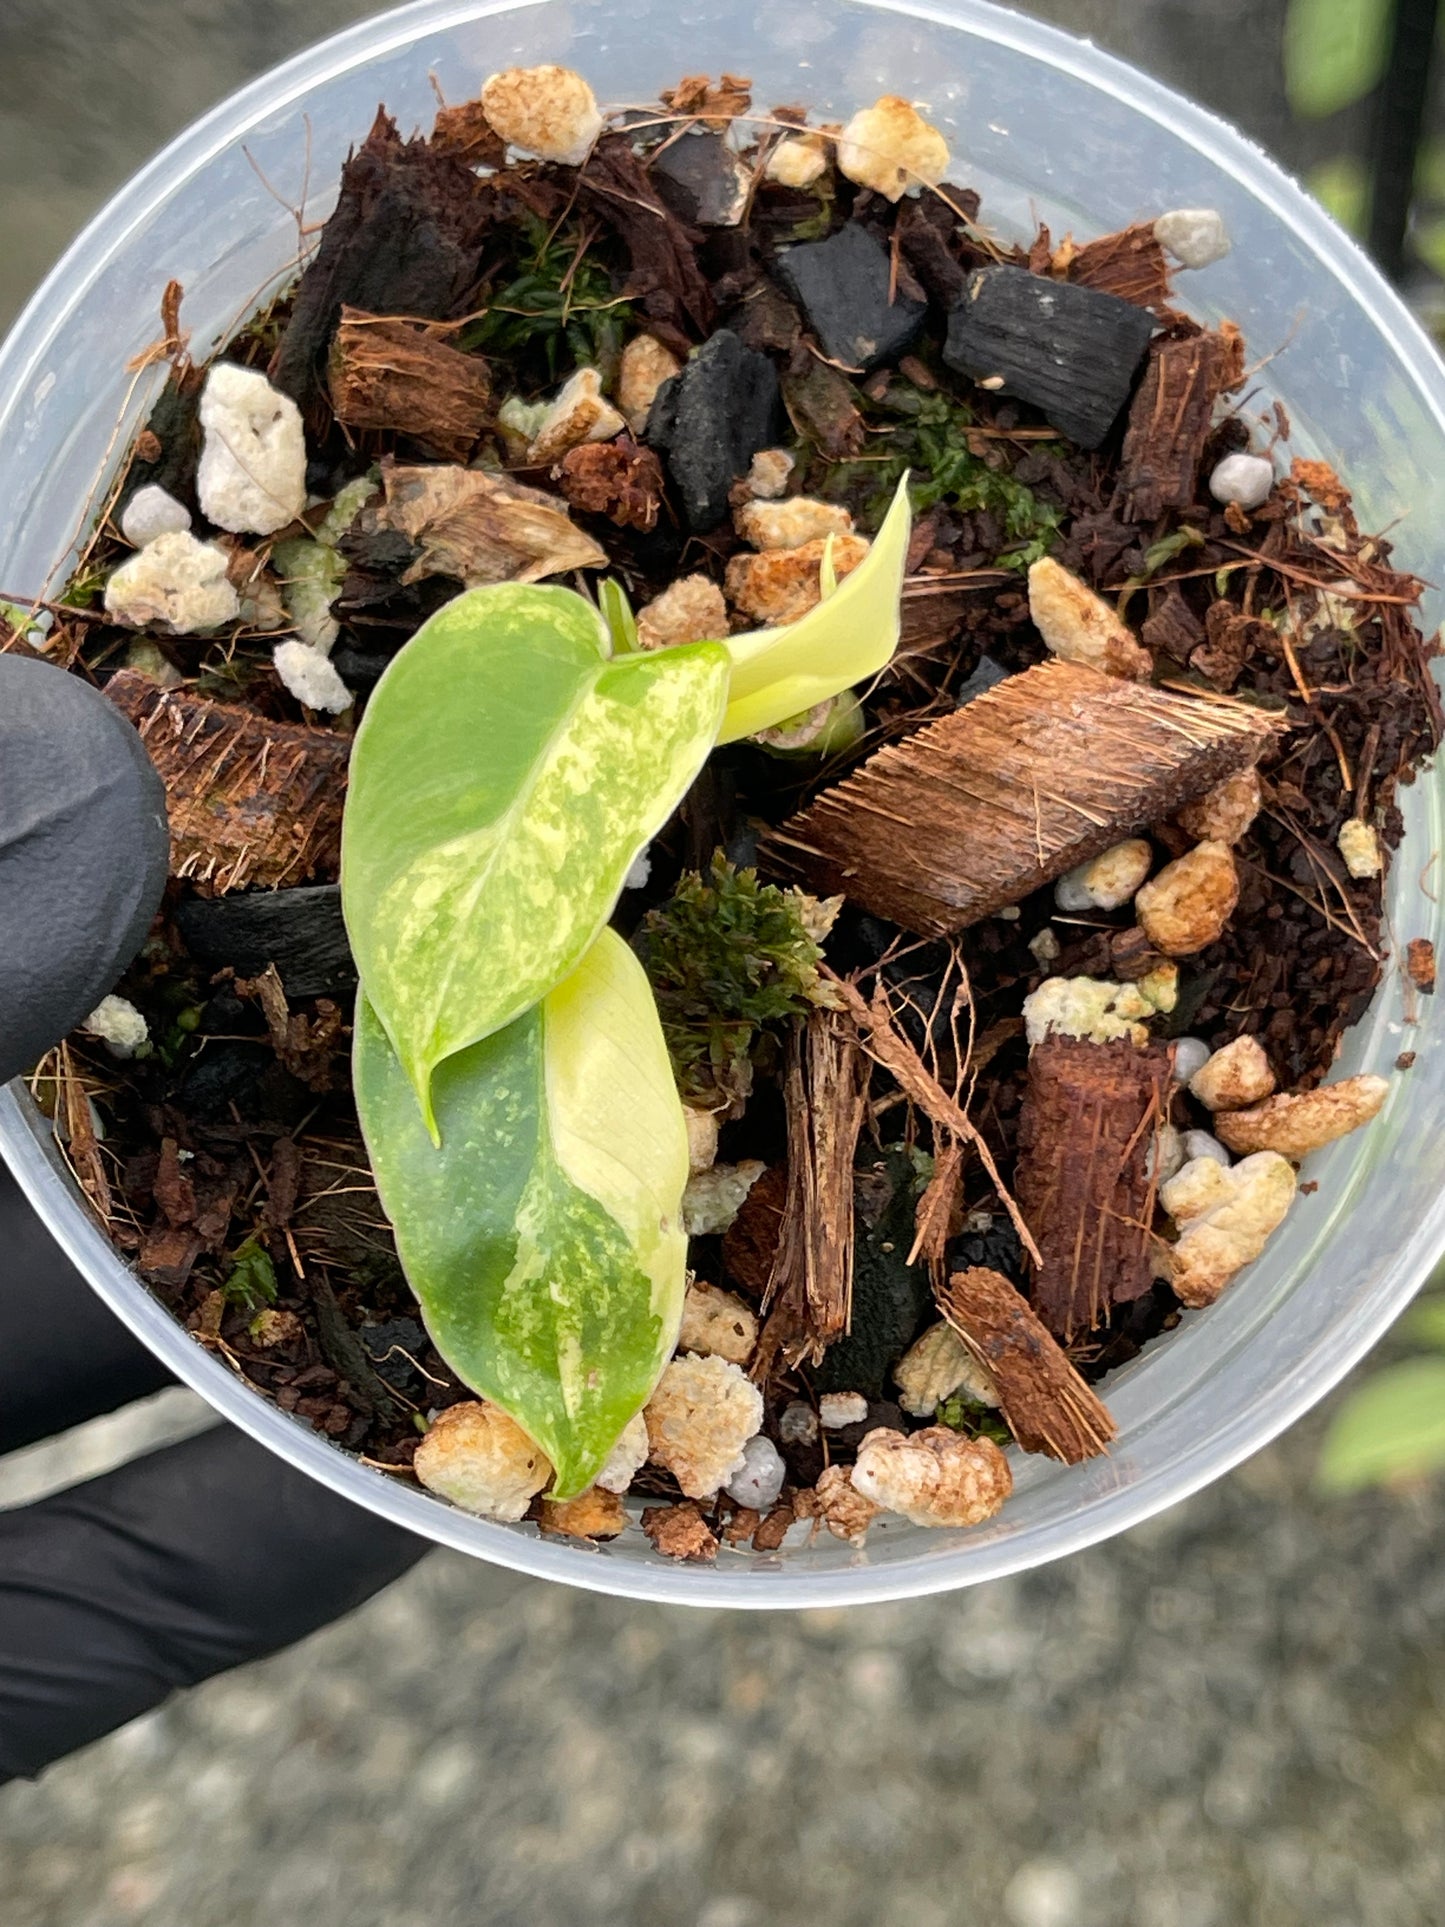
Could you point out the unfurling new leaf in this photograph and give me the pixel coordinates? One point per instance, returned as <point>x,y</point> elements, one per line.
<point>504,778</point>
<point>779,674</point>
<point>544,1238</point>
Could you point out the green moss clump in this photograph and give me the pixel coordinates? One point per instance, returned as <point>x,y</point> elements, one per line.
<point>556,309</point>
<point>926,432</point>
<point>727,956</point>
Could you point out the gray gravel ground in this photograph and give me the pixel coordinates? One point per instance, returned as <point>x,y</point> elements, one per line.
<point>1235,1717</point>
<point>1231,1718</point>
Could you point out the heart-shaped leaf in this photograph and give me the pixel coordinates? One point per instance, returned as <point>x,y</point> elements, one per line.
<point>781,673</point>
<point>544,1237</point>
<point>504,778</point>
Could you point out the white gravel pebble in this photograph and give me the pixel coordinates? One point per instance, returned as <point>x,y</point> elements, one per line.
<point>1195,236</point>
<point>311,677</point>
<point>760,1478</point>
<point>1245,479</point>
<point>1199,1144</point>
<point>153,511</point>
<point>252,474</point>
<point>1191,1054</point>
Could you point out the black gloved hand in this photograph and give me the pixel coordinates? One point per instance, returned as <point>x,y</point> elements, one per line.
<point>204,1554</point>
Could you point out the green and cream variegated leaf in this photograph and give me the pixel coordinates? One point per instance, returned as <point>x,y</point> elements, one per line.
<point>504,778</point>
<point>544,1237</point>
<point>782,673</point>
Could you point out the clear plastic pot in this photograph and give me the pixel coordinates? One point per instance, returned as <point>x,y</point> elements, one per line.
<point>1042,125</point>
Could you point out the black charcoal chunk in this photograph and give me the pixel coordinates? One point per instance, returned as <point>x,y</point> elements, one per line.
<point>987,675</point>
<point>1070,351</point>
<point>711,419</point>
<point>300,931</point>
<point>231,1081</point>
<point>83,854</point>
<point>394,1346</point>
<point>842,286</point>
<point>891,1298</point>
<point>701,179</point>
<point>360,669</point>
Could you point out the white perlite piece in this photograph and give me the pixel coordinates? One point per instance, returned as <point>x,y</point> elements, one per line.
<point>644,367</point>
<point>797,161</point>
<point>699,1421</point>
<point>1105,882</point>
<point>252,474</point>
<point>118,1025</point>
<point>547,111</point>
<point>1226,1215</point>
<point>936,1366</point>
<point>1088,1007</point>
<point>1360,847</point>
<point>639,872</point>
<point>153,511</point>
<point>580,413</point>
<point>1237,1075</point>
<point>1245,480</point>
<point>770,473</point>
<point>1195,236</point>
<point>1199,1144</point>
<point>174,583</point>
<point>482,1460</point>
<point>890,147</point>
<point>311,677</point>
<point>688,610</point>
<point>1045,946</point>
<point>717,1324</point>
<point>1079,626</point>
<point>936,1477</point>
<point>713,1198</point>
<point>1191,1054</point>
<point>759,1480</point>
<point>627,1457</point>
<point>841,1506</point>
<point>1298,1122</point>
<point>791,523</point>
<point>839,1409</point>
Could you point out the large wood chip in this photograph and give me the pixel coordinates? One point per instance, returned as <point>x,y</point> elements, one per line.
<point>1169,423</point>
<point>1045,1403</point>
<point>1052,767</point>
<point>1090,1116</point>
<point>250,801</point>
<point>387,373</point>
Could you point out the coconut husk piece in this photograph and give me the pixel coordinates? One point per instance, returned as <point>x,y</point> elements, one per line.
<point>1090,1117</point>
<point>250,801</point>
<point>1045,1403</point>
<point>387,373</point>
<point>980,809</point>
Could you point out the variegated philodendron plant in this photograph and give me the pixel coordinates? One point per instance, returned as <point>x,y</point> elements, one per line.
<point>514,1088</point>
